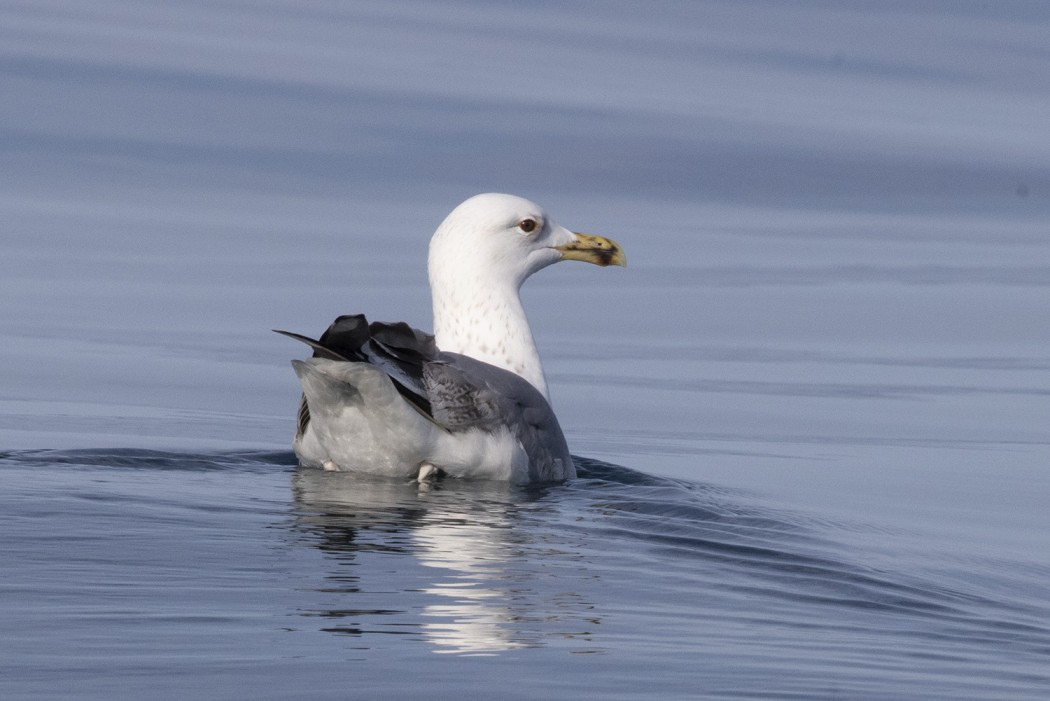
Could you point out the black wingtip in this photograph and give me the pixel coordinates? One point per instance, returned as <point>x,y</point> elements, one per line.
<point>290,334</point>
<point>320,351</point>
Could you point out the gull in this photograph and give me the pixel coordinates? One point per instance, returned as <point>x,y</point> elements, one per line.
<point>469,401</point>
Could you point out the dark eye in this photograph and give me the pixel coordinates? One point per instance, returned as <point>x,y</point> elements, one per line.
<point>527,225</point>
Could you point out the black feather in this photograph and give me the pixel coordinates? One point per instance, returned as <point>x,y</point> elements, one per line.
<point>400,352</point>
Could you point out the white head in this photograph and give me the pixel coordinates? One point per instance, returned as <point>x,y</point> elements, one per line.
<point>479,257</point>
<point>509,238</point>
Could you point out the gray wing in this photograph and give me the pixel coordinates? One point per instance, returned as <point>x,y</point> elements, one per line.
<point>456,392</point>
<point>466,394</point>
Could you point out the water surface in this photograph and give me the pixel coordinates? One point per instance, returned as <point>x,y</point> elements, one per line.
<point>238,574</point>
<point>812,414</point>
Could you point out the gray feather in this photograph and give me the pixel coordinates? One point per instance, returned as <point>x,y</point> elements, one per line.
<point>470,394</point>
<point>456,392</point>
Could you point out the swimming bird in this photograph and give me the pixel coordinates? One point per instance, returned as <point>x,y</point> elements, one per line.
<point>468,401</point>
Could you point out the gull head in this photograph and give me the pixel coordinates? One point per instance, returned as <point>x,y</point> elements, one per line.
<point>505,238</point>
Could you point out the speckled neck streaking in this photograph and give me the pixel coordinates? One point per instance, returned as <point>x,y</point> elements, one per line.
<point>479,257</point>
<point>486,321</point>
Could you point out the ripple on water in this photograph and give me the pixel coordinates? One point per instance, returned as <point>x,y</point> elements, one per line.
<point>226,550</point>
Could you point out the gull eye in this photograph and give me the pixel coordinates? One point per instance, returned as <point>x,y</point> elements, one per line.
<point>527,225</point>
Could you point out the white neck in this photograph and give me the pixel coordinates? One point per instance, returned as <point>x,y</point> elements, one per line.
<point>486,321</point>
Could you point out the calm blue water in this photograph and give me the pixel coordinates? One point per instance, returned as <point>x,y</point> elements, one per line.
<point>812,414</point>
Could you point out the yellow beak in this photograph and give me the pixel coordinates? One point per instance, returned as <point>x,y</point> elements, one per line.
<point>593,249</point>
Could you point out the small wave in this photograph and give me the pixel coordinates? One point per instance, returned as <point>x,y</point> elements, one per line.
<point>776,556</point>
<point>793,567</point>
<point>133,458</point>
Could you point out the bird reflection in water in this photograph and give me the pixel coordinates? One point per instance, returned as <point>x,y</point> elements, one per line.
<point>454,563</point>
<point>475,615</point>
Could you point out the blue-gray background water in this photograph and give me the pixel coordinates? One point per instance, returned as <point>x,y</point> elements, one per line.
<point>812,414</point>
